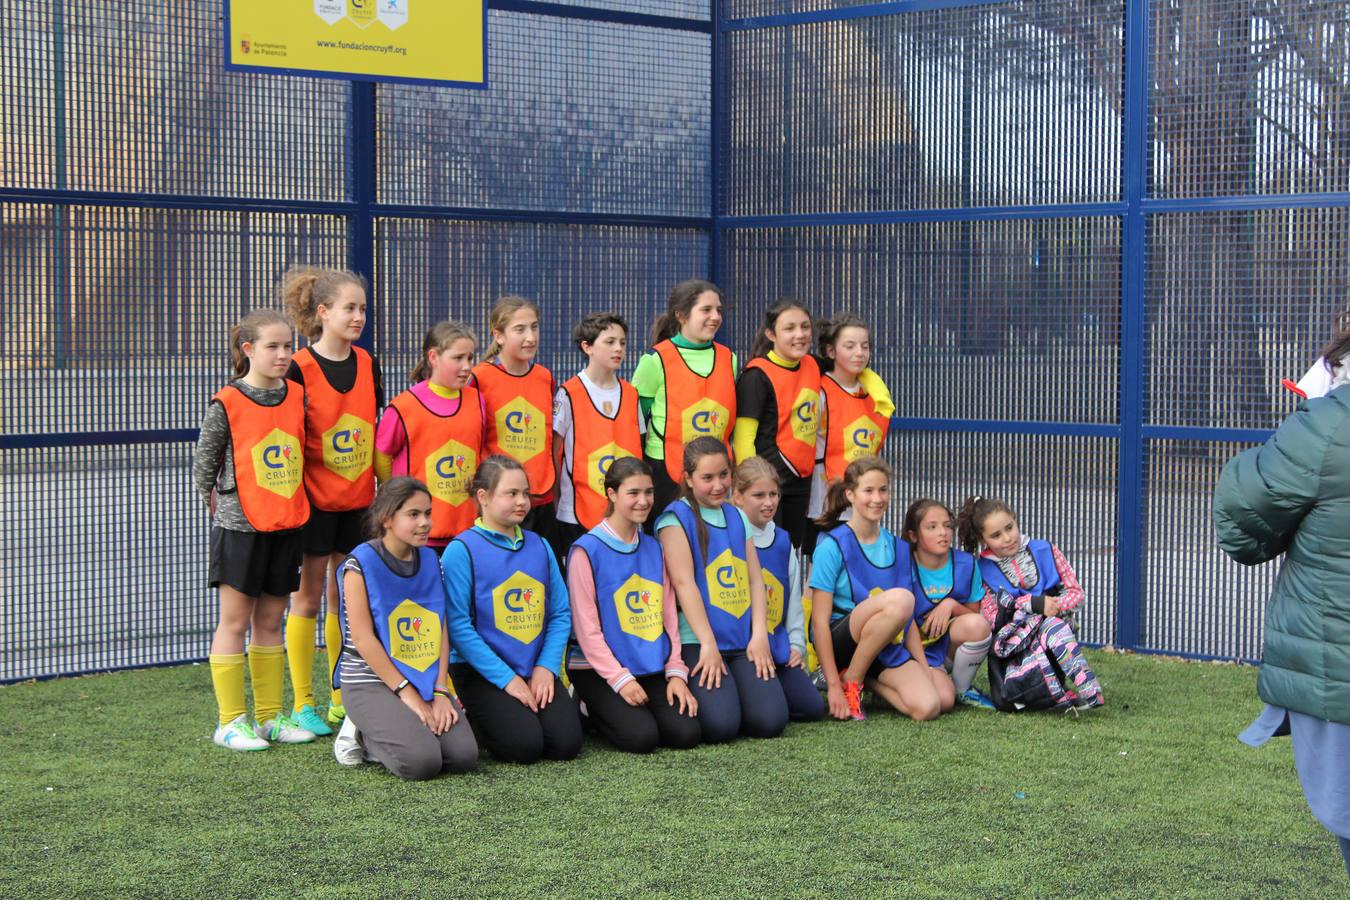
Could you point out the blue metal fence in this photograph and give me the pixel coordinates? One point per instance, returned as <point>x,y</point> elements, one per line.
<point>1092,236</point>
<point>147,198</point>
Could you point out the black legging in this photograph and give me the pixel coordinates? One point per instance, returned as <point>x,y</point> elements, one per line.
<point>507,729</point>
<point>743,704</point>
<point>795,497</point>
<point>635,729</point>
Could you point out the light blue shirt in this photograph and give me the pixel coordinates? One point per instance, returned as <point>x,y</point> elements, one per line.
<point>938,582</point>
<point>828,572</point>
<point>467,645</point>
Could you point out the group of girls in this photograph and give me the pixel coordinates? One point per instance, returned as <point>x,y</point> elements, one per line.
<point>689,580</point>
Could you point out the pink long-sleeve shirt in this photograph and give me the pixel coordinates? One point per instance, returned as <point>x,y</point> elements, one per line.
<point>590,635</point>
<point>391,438</point>
<point>1069,598</point>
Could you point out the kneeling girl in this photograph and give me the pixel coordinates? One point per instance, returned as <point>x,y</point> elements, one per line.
<point>757,494</point>
<point>509,624</point>
<point>715,572</point>
<point>625,657</point>
<point>393,662</point>
<point>863,602</point>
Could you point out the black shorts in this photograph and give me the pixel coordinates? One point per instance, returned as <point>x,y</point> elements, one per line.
<point>333,532</point>
<point>844,645</point>
<point>256,563</point>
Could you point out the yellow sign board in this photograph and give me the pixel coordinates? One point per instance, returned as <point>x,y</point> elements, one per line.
<point>442,42</point>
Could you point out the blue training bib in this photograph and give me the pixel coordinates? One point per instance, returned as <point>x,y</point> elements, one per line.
<point>1047,574</point>
<point>630,595</point>
<point>409,614</point>
<point>963,572</point>
<point>510,604</point>
<point>866,579</point>
<point>721,574</point>
<point>775,565</point>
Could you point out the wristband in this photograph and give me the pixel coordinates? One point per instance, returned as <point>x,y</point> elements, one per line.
<point>401,685</point>
<point>444,693</point>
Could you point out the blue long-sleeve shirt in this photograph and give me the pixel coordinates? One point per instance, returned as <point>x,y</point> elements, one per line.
<point>467,645</point>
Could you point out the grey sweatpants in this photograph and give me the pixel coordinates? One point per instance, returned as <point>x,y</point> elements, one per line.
<point>395,738</point>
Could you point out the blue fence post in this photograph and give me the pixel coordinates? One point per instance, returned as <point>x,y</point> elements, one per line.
<point>361,121</point>
<point>1134,184</point>
<point>717,112</point>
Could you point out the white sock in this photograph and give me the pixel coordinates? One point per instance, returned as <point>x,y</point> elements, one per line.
<point>966,662</point>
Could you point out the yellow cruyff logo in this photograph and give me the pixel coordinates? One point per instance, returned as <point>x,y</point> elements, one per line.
<point>639,603</point>
<point>728,584</point>
<point>518,607</point>
<point>598,463</point>
<point>861,438</point>
<point>773,593</point>
<point>278,463</point>
<point>705,418</point>
<point>803,417</point>
<point>450,467</point>
<point>520,429</point>
<point>347,446</point>
<point>414,636</point>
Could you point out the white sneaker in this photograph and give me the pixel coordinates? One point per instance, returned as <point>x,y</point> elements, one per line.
<point>284,730</point>
<point>239,735</point>
<point>347,745</point>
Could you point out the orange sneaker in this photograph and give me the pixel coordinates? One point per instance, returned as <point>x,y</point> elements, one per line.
<point>853,694</point>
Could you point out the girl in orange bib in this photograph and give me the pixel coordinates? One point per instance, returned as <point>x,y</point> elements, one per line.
<point>595,422</point>
<point>686,384</point>
<point>343,394</point>
<point>435,432</point>
<point>249,469</point>
<point>777,400</point>
<point>518,394</point>
<point>855,404</point>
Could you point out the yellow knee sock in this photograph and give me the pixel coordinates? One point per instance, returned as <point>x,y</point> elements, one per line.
<point>332,638</point>
<point>300,656</point>
<point>267,665</point>
<point>227,677</point>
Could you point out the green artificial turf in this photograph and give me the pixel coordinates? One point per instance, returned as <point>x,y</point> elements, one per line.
<point>111,785</point>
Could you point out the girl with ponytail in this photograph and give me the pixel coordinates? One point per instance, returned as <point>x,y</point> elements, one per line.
<point>686,385</point>
<point>342,383</point>
<point>714,569</point>
<point>518,395</point>
<point>255,532</point>
<point>862,602</point>
<point>435,430</point>
<point>509,622</point>
<point>1030,595</point>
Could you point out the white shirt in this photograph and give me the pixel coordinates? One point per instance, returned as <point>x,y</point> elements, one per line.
<point>607,401</point>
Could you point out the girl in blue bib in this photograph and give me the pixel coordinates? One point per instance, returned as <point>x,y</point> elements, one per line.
<point>624,659</point>
<point>393,663</point>
<point>862,601</point>
<point>757,495</point>
<point>956,637</point>
<point>1031,594</point>
<point>509,624</point>
<point>714,569</point>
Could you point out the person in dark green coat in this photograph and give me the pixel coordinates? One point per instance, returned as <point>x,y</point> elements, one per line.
<point>1291,497</point>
